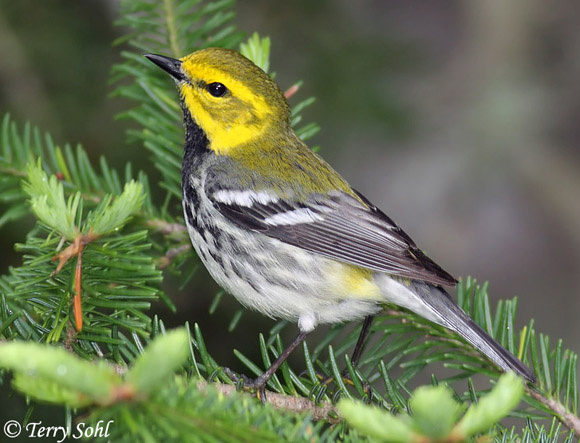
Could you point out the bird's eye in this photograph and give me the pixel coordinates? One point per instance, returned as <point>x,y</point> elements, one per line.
<point>216,89</point>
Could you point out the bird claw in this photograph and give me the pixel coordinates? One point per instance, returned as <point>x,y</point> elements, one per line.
<point>257,385</point>
<point>345,376</point>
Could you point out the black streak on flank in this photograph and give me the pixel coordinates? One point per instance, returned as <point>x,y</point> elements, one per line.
<point>202,254</point>
<point>190,194</point>
<point>217,258</point>
<point>215,233</point>
<point>191,219</point>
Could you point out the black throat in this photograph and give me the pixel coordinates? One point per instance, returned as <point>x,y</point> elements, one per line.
<point>196,146</point>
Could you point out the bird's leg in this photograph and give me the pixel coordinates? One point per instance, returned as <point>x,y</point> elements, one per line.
<point>360,343</point>
<point>259,384</point>
<point>358,348</point>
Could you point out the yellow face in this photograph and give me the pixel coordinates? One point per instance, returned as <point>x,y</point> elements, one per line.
<point>231,99</point>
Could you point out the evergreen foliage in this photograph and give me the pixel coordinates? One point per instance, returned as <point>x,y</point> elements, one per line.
<point>78,333</point>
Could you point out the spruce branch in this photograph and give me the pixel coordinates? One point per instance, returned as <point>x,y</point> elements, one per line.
<point>72,174</point>
<point>435,415</point>
<point>570,420</point>
<point>170,23</point>
<point>150,390</point>
<point>57,376</point>
<point>48,203</point>
<point>292,403</point>
<point>257,49</point>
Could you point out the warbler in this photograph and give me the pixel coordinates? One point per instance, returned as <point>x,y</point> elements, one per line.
<point>280,229</point>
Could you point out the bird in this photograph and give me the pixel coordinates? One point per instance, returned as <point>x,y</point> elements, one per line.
<point>284,233</point>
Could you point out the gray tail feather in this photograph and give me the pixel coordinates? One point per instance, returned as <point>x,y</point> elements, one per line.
<point>453,317</point>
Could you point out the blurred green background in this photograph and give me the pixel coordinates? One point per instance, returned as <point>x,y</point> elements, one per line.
<point>460,119</point>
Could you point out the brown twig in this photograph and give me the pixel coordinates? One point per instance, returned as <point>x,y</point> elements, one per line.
<point>75,249</point>
<point>165,261</point>
<point>565,416</point>
<point>77,301</point>
<point>165,227</point>
<point>323,411</point>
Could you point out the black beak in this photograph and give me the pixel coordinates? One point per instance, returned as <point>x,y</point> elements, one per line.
<point>170,65</point>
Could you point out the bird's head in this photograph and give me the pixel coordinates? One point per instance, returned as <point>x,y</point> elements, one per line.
<point>230,98</point>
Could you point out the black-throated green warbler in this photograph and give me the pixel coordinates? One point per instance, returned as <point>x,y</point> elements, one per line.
<point>282,231</point>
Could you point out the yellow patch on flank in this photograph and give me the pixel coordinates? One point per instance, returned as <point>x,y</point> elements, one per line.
<point>357,282</point>
<point>225,126</point>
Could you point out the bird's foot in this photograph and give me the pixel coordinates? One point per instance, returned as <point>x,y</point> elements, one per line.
<point>345,376</point>
<point>347,380</point>
<point>256,385</point>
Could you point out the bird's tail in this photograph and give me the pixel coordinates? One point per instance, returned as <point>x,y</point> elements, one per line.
<point>452,316</point>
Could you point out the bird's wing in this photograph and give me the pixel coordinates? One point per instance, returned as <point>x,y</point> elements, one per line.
<point>340,226</point>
